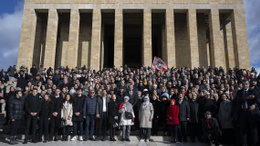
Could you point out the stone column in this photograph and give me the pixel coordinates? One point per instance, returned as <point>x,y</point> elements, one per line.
<point>26,48</point>
<point>95,40</point>
<point>147,37</point>
<point>118,49</point>
<point>170,37</point>
<point>193,37</point>
<point>51,39</point>
<point>72,54</point>
<point>216,43</point>
<point>240,41</point>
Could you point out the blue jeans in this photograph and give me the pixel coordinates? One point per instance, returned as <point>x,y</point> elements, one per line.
<point>90,121</point>
<point>75,128</point>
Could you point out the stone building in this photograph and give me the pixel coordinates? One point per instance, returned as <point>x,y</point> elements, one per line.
<point>107,33</point>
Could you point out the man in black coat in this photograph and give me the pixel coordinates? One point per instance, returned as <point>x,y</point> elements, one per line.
<point>102,115</point>
<point>246,104</point>
<point>211,129</point>
<point>120,95</point>
<point>195,127</point>
<point>184,116</point>
<point>57,103</point>
<point>32,108</point>
<point>21,80</point>
<point>16,113</point>
<point>77,117</point>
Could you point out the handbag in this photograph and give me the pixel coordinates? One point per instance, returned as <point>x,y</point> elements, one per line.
<point>62,123</point>
<point>115,125</point>
<point>128,115</point>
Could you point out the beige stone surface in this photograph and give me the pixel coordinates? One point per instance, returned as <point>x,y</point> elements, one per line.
<point>26,48</point>
<point>51,39</point>
<point>96,40</point>
<point>118,45</point>
<point>217,45</point>
<point>240,38</point>
<point>193,37</point>
<point>72,54</point>
<point>170,37</point>
<point>147,37</point>
<point>184,39</point>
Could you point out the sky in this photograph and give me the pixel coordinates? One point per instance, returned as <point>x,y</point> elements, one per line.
<point>11,12</point>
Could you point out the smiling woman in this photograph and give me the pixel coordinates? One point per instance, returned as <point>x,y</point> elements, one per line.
<point>11,14</point>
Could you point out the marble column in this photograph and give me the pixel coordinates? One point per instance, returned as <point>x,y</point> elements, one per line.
<point>147,37</point>
<point>51,39</point>
<point>170,37</point>
<point>118,43</point>
<point>193,37</point>
<point>72,54</point>
<point>27,40</point>
<point>95,40</point>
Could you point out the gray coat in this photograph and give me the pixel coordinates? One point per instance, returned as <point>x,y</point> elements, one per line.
<point>123,120</point>
<point>225,114</point>
<point>145,114</point>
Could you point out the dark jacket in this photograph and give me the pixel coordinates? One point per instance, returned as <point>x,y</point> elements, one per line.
<point>89,107</point>
<point>33,71</point>
<point>77,105</point>
<point>208,105</point>
<point>99,107</point>
<point>214,127</point>
<point>32,104</point>
<point>21,81</point>
<point>57,105</point>
<point>194,111</point>
<point>184,110</point>
<point>16,108</point>
<point>165,105</point>
<point>120,97</point>
<point>113,111</point>
<point>157,108</point>
<point>240,99</point>
<point>133,98</point>
<point>45,109</point>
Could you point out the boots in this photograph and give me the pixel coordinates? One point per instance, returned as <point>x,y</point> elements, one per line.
<point>12,141</point>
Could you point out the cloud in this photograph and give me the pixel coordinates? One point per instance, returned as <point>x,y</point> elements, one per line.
<point>252,12</point>
<point>10,31</point>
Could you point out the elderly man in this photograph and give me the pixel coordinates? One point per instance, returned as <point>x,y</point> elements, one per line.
<point>210,129</point>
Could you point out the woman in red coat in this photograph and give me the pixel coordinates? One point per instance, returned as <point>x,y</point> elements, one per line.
<point>173,120</point>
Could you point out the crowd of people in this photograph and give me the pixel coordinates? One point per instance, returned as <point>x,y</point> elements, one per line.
<point>209,104</point>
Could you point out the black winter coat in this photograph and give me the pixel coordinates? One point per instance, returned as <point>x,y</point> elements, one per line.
<point>77,105</point>
<point>32,104</point>
<point>16,108</point>
<point>57,105</point>
<point>113,111</point>
<point>184,110</point>
<point>45,109</point>
<point>214,127</point>
<point>157,108</point>
<point>194,112</point>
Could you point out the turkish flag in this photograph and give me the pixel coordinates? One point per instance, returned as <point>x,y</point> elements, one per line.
<point>159,64</point>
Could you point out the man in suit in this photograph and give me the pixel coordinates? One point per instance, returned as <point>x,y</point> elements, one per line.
<point>246,104</point>
<point>132,94</point>
<point>102,115</point>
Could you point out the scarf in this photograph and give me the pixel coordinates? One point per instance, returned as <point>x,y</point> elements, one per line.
<point>145,104</point>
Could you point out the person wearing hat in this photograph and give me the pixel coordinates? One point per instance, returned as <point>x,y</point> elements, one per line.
<point>146,113</point>
<point>210,129</point>
<point>173,119</point>
<point>126,108</point>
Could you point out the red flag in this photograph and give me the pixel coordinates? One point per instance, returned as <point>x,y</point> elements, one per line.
<point>159,64</point>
